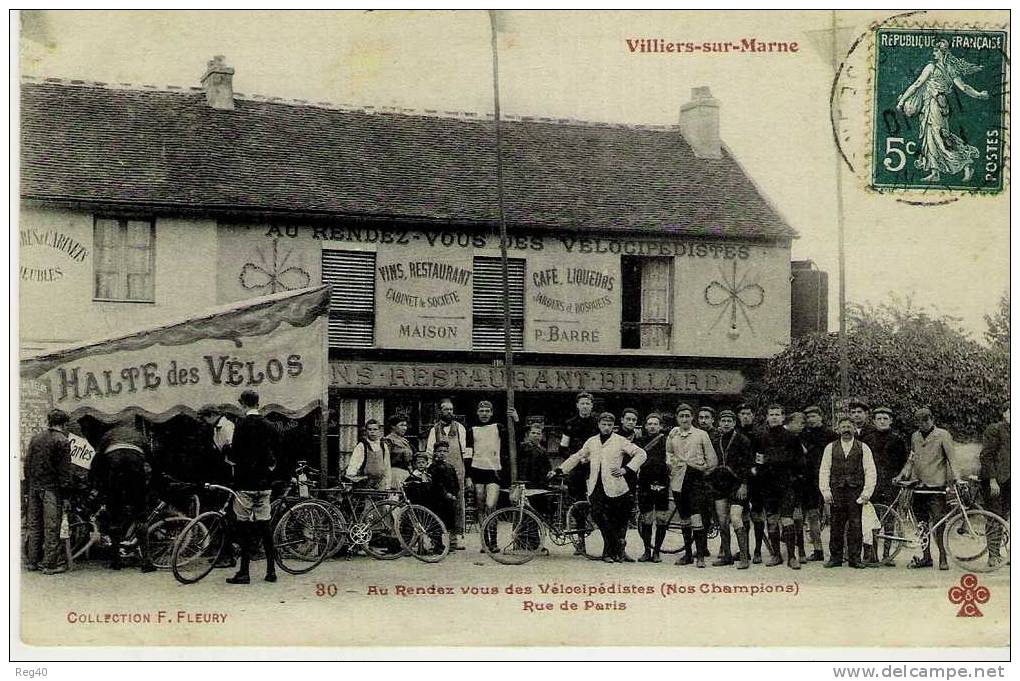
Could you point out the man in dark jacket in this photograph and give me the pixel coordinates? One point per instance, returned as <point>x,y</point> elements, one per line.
<point>889,451</point>
<point>814,437</point>
<point>995,477</point>
<point>777,454</point>
<point>730,484</point>
<point>48,478</point>
<point>576,432</point>
<point>253,455</point>
<point>445,484</point>
<point>653,490</point>
<point>120,475</point>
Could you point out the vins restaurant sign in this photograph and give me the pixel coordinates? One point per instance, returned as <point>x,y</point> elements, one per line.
<point>480,377</point>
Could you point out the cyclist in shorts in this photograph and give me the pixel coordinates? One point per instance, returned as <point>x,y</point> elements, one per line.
<point>653,490</point>
<point>489,446</point>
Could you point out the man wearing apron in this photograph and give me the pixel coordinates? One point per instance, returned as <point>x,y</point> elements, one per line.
<point>455,435</point>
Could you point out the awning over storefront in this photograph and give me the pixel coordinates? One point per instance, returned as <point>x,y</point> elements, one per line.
<point>275,345</point>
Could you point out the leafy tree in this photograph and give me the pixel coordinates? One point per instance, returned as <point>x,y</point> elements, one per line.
<point>902,356</point>
<point>997,333</point>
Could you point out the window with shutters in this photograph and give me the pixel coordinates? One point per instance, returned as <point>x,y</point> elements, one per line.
<point>352,298</point>
<point>647,303</point>
<point>487,303</point>
<point>125,259</point>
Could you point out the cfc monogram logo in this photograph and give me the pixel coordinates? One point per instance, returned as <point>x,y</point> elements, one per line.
<point>967,594</point>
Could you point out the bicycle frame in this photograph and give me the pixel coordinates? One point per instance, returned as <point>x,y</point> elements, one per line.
<point>903,506</point>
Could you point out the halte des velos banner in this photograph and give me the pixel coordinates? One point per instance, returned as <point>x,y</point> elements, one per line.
<point>275,345</point>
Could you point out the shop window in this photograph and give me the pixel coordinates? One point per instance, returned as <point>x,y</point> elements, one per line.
<point>487,303</point>
<point>647,302</point>
<point>125,258</point>
<point>352,300</point>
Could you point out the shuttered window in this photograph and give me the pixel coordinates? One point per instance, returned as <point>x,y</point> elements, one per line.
<point>647,303</point>
<point>125,260</point>
<point>352,300</point>
<point>487,303</point>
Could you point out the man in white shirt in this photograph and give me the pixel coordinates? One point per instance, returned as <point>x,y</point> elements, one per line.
<point>846,480</point>
<point>607,488</point>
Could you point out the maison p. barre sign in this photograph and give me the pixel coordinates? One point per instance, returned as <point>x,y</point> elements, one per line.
<point>480,377</point>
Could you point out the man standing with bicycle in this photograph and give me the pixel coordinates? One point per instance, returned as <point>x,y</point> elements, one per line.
<point>730,484</point>
<point>846,479</point>
<point>690,455</point>
<point>253,454</point>
<point>995,477</point>
<point>930,463</point>
<point>577,430</point>
<point>890,454</point>
<point>607,489</point>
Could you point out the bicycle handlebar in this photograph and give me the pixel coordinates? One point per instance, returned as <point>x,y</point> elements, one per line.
<point>221,488</point>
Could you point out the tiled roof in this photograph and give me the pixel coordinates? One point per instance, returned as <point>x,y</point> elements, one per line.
<point>90,142</point>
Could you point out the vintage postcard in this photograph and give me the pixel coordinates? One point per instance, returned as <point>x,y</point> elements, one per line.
<point>514,328</point>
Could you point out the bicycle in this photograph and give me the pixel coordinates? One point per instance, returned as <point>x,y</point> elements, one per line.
<point>975,539</point>
<point>199,547</point>
<point>384,524</point>
<point>518,531</point>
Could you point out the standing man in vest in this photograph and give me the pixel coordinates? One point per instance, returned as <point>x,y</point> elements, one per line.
<point>577,430</point>
<point>607,489</point>
<point>455,435</point>
<point>846,479</point>
<point>995,477</point>
<point>254,454</point>
<point>370,459</point>
<point>488,464</point>
<point>889,451</point>
<point>730,485</point>
<point>814,437</point>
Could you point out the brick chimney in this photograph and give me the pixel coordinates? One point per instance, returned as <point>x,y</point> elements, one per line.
<point>218,83</point>
<point>699,123</point>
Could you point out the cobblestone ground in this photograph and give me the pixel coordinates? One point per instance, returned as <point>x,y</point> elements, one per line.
<point>557,599</point>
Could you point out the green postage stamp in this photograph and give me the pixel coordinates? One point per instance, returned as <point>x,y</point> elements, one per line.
<point>939,114</point>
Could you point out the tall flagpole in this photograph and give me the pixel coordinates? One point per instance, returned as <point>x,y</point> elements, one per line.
<point>508,361</point>
<point>844,356</point>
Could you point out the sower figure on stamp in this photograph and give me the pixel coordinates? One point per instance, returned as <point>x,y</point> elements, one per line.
<point>746,427</point>
<point>690,455</point>
<point>814,437</point>
<point>254,454</point>
<point>930,463</point>
<point>120,477</point>
<point>455,436</point>
<point>942,150</point>
<point>653,490</point>
<point>606,486</point>
<point>730,485</point>
<point>777,453</point>
<point>846,479</point>
<point>48,477</point>
<point>488,463</point>
<point>576,432</point>
<point>889,451</point>
<point>995,479</point>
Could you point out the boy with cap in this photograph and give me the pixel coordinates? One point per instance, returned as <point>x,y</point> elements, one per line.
<point>690,455</point>
<point>606,487</point>
<point>814,437</point>
<point>445,484</point>
<point>890,453</point>
<point>730,484</point>
<point>930,463</point>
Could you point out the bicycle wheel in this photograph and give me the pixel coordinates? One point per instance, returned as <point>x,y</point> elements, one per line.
<point>891,536</point>
<point>162,535</point>
<point>516,535</point>
<point>375,530</point>
<point>198,547</point>
<point>81,531</point>
<point>302,537</point>
<point>977,541</point>
<point>339,539</point>
<point>423,534</point>
<point>579,524</point>
<point>673,542</point>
